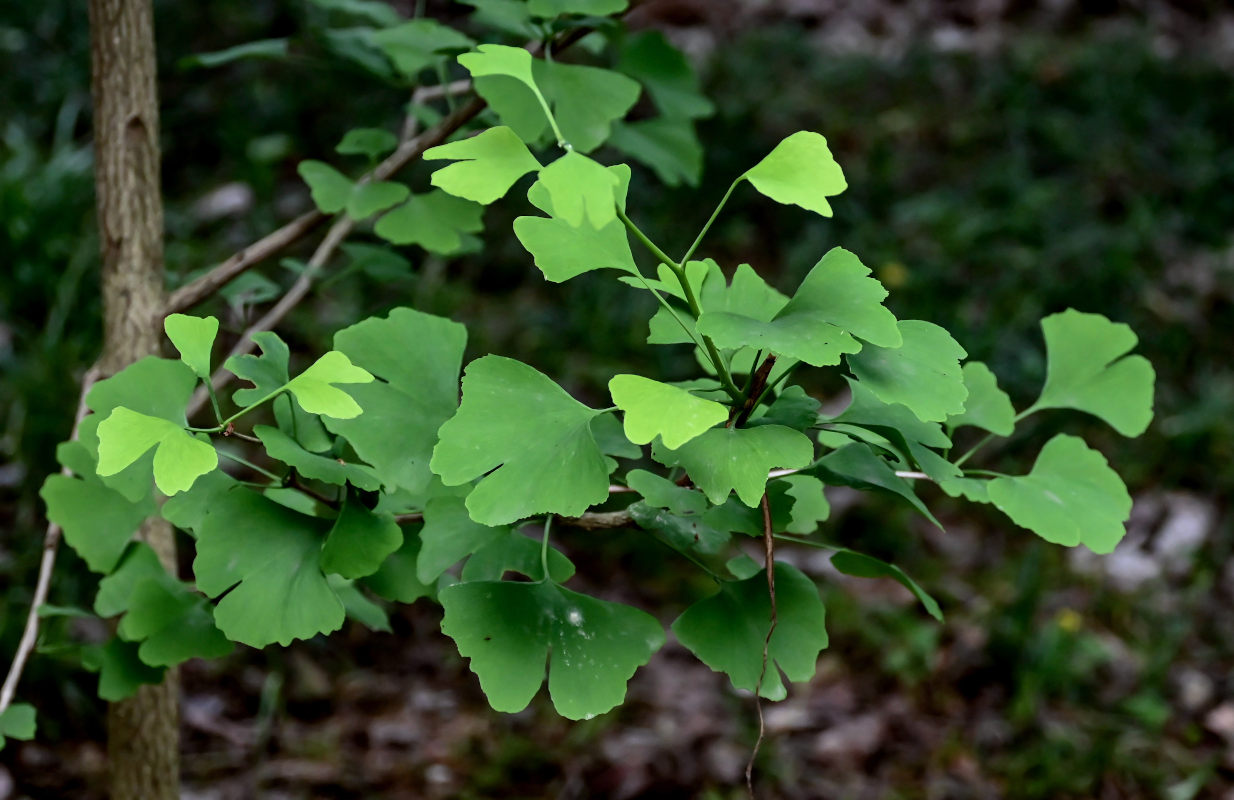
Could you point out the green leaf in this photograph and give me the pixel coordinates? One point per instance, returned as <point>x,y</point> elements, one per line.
<point>315,388</point>
<point>435,221</point>
<point>533,438</point>
<point>724,459</point>
<point>180,459</point>
<point>975,490</point>
<point>923,374</point>
<point>1084,371</point>
<point>563,251</point>
<point>987,407</point>
<point>611,437</point>
<point>486,165</point>
<point>515,104</point>
<point>552,8</point>
<point>508,630</point>
<point>138,565</point>
<point>267,556</point>
<point>369,198</point>
<point>663,70</point>
<point>97,520</point>
<point>418,358</point>
<point>17,722</point>
<point>267,372</point>
<point>360,541</point>
<point>1070,497</point>
<point>329,188</point>
<point>499,59</point>
<point>515,552</point>
<point>194,338</point>
<point>860,565</point>
<point>370,142</point>
<point>836,302</point>
<point>856,465</point>
<point>727,630</point>
<point>418,44</point>
<point>449,535</point>
<point>378,262</point>
<point>315,467</point>
<point>121,670</point>
<point>656,409</point>
<point>261,49</point>
<point>799,171</point>
<point>689,533</point>
<point>586,101</point>
<point>172,623</point>
<point>893,427</point>
<point>508,16</point>
<point>375,12</point>
<point>580,189</point>
<point>396,579</point>
<point>668,145</point>
<point>187,509</point>
<point>358,607</point>
<point>810,506</point>
<point>662,493</point>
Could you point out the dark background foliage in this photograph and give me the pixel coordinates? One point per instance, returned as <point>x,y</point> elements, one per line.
<point>1005,159</point>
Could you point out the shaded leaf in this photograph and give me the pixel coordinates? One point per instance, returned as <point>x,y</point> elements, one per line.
<point>329,188</point>
<point>370,142</point>
<point>727,630</point>
<point>315,467</point>
<point>553,8</point>
<point>359,541</point>
<point>435,221</point>
<point>396,578</point>
<point>665,72</point>
<point>449,535</point>
<point>861,565</point>
<point>121,670</point>
<point>726,459</point>
<point>418,44</point>
<point>369,198</point>
<point>507,630</point>
<point>856,465</point>
<point>515,552</point>
<point>17,722</point>
<point>987,407</point>
<point>667,145</point>
<point>810,506</point>
<point>172,624</point>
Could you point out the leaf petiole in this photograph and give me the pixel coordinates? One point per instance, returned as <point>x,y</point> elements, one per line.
<point>548,524</point>
<point>714,214</point>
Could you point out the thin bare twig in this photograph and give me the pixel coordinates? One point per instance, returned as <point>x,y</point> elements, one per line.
<point>769,547</point>
<point>51,543</point>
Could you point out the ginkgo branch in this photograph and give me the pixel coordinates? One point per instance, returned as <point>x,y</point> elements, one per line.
<point>51,543</point>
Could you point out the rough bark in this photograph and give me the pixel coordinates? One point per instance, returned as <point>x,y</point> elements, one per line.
<point>143,731</point>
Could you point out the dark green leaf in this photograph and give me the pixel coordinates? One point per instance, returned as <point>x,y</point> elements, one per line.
<point>360,541</point>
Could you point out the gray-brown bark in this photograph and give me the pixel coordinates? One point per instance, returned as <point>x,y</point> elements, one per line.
<point>143,731</point>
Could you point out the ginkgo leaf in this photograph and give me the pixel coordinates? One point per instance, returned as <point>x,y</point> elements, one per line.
<point>922,374</point>
<point>98,521</point>
<point>500,59</point>
<point>586,101</point>
<point>313,466</point>
<point>418,358</point>
<point>265,557</point>
<point>359,541</point>
<point>449,535</point>
<point>140,563</point>
<point>726,459</point>
<point>580,188</point>
<point>656,409</point>
<point>194,338</point>
<point>514,552</point>
<point>417,44</point>
<point>810,506</point>
<point>836,304</point>
<point>17,722</point>
<point>435,221</point>
<point>172,623</point>
<point>369,198</point>
<point>858,466</point>
<point>486,165</point>
<point>727,630</point>
<point>329,188</point>
<point>529,439</point>
<point>1070,497</point>
<point>508,630</point>
<point>121,671</point>
<point>1087,369</point>
<point>668,145</point>
<point>649,58</point>
<point>860,565</point>
<point>799,171</point>
<point>371,142</point>
<point>553,8</point>
<point>563,251</point>
<point>180,459</point>
<point>987,406</point>
<point>315,388</point>
<point>396,578</point>
<point>663,493</point>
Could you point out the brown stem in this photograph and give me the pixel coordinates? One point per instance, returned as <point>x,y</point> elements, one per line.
<point>769,553</point>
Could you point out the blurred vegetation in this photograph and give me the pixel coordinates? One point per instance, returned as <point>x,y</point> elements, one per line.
<point>985,190</point>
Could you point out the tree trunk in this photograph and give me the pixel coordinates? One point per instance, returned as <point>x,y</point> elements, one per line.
<point>143,731</point>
